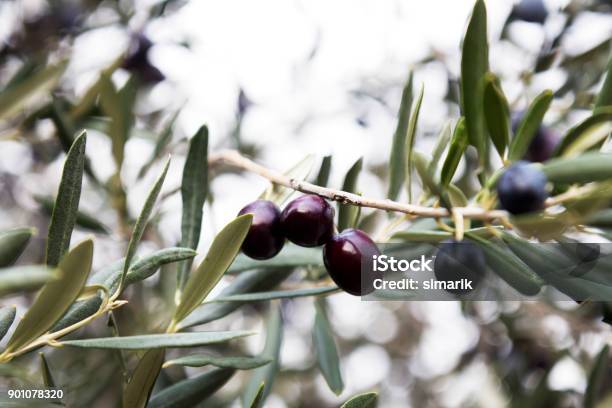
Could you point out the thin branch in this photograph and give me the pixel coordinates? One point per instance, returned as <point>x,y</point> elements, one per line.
<point>235,159</point>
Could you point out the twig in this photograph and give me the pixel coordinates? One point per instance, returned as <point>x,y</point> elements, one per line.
<point>233,158</point>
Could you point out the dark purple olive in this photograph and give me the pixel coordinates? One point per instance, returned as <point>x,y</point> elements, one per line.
<point>457,260</point>
<point>348,260</point>
<point>542,145</point>
<point>522,189</point>
<point>265,237</point>
<point>137,60</point>
<point>308,221</point>
<point>531,11</point>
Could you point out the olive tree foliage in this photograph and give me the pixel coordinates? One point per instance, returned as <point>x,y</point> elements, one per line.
<point>88,331</point>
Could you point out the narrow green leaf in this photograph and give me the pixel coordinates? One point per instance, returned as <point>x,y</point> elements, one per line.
<point>441,144</point>
<point>55,297</point>
<point>421,164</point>
<point>366,400</point>
<point>24,278</point>
<point>456,196</point>
<point>141,269</point>
<point>155,341</point>
<point>271,351</point>
<point>397,160</point>
<point>327,353</point>
<point>474,65</point>
<point>585,168</point>
<point>78,311</point>
<point>605,94</point>
<point>192,391</point>
<point>164,139</point>
<point>46,372</point>
<point>457,146</point>
<point>67,202</point>
<point>193,192</point>
<point>246,282</point>
<point>323,176</point>
<point>138,389</point>
<point>426,236</point>
<point>291,256</point>
<point>12,244</point>
<point>19,97</point>
<point>201,360</point>
<point>140,225</point>
<point>258,399</point>
<point>277,294</point>
<point>529,125</point>
<point>221,254</point>
<point>7,316</point>
<point>496,113</point>
<point>346,212</point>
<point>118,106</point>
<point>410,139</point>
<point>508,267</point>
<point>597,377</point>
<point>601,119</point>
<point>84,220</point>
<point>279,194</point>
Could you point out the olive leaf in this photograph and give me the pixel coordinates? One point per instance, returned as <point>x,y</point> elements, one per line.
<point>137,391</point>
<point>258,399</point>
<point>46,372</point>
<point>346,212</point>
<point>244,283</point>
<point>24,278</point>
<point>279,194</point>
<point>508,266</point>
<point>597,378</point>
<point>140,225</point>
<point>165,136</point>
<point>529,125</point>
<point>496,113</point>
<point>597,123</point>
<point>193,192</point>
<point>201,360</point>
<point>397,159</point>
<point>277,294</point>
<point>324,172</point>
<point>438,236</point>
<point>192,391</point>
<point>441,143</point>
<point>587,167</point>
<point>411,138</point>
<point>7,316</point>
<point>55,297</point>
<point>327,353</point>
<point>474,66</point>
<point>289,257</point>
<point>117,105</point>
<point>605,94</point>
<point>156,341</point>
<point>271,351</point>
<point>19,96</point>
<point>67,202</point>
<point>12,244</point>
<point>78,311</point>
<point>221,254</point>
<point>365,400</point>
<point>457,146</point>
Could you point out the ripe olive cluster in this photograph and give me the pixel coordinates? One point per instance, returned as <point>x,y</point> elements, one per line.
<point>308,221</point>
